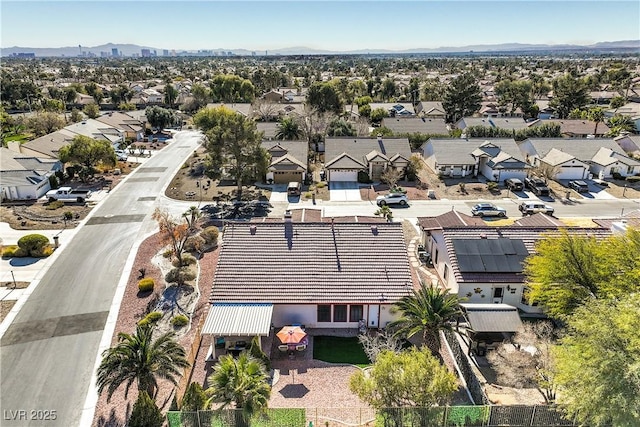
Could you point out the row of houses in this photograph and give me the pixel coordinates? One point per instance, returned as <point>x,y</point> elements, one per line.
<point>345,272</point>
<point>25,168</point>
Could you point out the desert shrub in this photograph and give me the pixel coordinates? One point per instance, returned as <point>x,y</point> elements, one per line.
<point>321,184</point>
<point>12,251</point>
<point>57,204</point>
<point>179,320</point>
<point>617,175</point>
<point>168,253</point>
<point>187,259</point>
<point>33,244</point>
<point>308,195</point>
<point>210,234</point>
<point>146,284</point>
<point>47,251</point>
<point>179,275</point>
<point>151,318</point>
<point>195,399</point>
<point>194,244</point>
<point>363,177</point>
<point>492,186</point>
<point>67,215</point>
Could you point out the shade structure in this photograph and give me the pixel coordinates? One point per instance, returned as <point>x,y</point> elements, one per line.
<point>291,334</point>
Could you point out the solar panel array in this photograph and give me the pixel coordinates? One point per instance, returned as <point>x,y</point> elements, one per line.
<point>490,255</point>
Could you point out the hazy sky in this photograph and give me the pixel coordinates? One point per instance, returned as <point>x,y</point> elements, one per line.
<point>334,25</point>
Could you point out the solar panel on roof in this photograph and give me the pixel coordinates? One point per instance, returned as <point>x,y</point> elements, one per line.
<point>490,255</point>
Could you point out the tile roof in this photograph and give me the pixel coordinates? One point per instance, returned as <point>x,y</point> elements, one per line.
<point>527,235</point>
<point>449,219</point>
<point>557,157</point>
<point>358,148</point>
<point>539,220</point>
<point>575,127</point>
<point>50,144</point>
<point>311,263</point>
<point>402,125</point>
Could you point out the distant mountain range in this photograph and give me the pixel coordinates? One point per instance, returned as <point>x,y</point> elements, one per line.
<point>136,50</point>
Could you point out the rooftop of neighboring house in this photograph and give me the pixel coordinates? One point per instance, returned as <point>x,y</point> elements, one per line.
<point>359,148</point>
<point>463,151</point>
<point>449,219</point>
<point>49,145</point>
<point>246,109</point>
<point>575,126</point>
<point>581,148</point>
<point>509,123</point>
<point>424,125</point>
<point>297,149</point>
<point>121,121</point>
<point>310,263</point>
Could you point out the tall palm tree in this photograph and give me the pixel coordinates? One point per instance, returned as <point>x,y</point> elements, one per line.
<point>242,382</point>
<point>142,359</point>
<point>596,115</point>
<point>428,310</point>
<point>288,129</point>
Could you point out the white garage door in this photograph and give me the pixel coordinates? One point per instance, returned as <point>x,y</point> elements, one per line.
<point>506,174</point>
<point>343,175</point>
<point>571,173</point>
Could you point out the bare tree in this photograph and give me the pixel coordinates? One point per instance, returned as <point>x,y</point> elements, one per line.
<point>175,232</point>
<point>375,343</point>
<point>527,361</point>
<point>391,177</point>
<point>546,171</point>
<point>266,110</point>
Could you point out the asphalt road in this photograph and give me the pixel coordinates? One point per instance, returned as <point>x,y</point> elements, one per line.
<point>49,351</point>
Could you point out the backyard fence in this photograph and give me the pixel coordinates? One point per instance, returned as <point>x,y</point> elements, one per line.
<point>441,416</point>
<point>470,377</point>
<point>191,357</point>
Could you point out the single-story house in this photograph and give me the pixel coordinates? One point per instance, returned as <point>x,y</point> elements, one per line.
<point>606,162</point>
<point>268,129</point>
<point>629,143</point>
<point>430,109</point>
<point>451,219</point>
<point>132,128</point>
<point>485,264</point>
<point>322,275</point>
<point>24,177</point>
<point>408,125</point>
<point>288,161</point>
<point>345,157</point>
<point>507,123</point>
<point>497,158</point>
<point>46,146</point>
<point>97,130</point>
<point>576,128</point>
<point>246,109</point>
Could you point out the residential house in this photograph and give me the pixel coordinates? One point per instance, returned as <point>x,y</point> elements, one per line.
<point>497,158</point>
<point>430,109</point>
<point>629,143</point>
<point>493,110</point>
<point>268,129</point>
<point>451,219</point>
<point>288,161</point>
<point>152,96</point>
<point>132,128</point>
<point>423,125</point>
<point>97,130</point>
<point>485,264</point>
<point>345,157</point>
<point>603,97</point>
<point>46,146</point>
<point>321,275</point>
<point>577,158</point>
<point>576,128</point>
<point>630,109</point>
<point>24,177</point>
<point>506,123</point>
<point>545,111</point>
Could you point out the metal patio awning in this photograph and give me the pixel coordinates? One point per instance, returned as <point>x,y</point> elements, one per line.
<point>238,319</point>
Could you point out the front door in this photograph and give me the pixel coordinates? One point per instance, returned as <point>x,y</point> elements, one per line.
<point>374,315</point>
<point>498,294</point>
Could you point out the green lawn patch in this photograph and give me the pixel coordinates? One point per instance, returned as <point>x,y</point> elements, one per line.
<point>339,350</point>
<point>23,137</point>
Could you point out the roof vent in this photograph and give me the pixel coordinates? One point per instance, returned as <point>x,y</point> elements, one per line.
<point>483,236</point>
<point>252,229</point>
<point>287,216</point>
<point>374,230</point>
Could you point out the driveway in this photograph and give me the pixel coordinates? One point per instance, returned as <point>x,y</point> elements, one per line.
<point>279,193</point>
<point>344,191</point>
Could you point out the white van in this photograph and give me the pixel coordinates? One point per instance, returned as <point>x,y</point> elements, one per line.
<point>293,189</point>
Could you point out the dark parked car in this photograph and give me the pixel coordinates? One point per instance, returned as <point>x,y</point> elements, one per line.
<point>579,186</point>
<point>514,184</point>
<point>537,186</point>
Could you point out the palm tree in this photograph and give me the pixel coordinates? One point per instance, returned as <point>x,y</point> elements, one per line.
<point>242,382</point>
<point>288,129</point>
<point>596,115</point>
<point>140,358</point>
<point>428,310</point>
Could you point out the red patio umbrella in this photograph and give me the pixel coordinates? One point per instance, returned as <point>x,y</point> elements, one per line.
<point>291,334</point>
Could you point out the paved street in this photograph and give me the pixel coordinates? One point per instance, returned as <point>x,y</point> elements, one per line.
<point>49,352</point>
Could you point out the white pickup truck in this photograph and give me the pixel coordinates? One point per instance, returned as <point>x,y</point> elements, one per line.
<point>68,194</point>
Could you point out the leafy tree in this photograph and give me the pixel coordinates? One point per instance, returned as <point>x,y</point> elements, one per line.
<point>76,116</point>
<point>176,233</point>
<point>45,123</point>
<point>619,123</point>
<point>409,378</point>
<point>569,93</point>
<point>526,361</point>
<point>598,363</point>
<point>170,95</point>
<point>92,110</point>
<point>231,88</point>
<point>389,89</point>
<point>378,114</point>
<point>145,412</point>
<point>159,117</point>
<point>323,97</point>
<point>617,102</point>
<point>514,94</point>
<point>54,105</point>
<point>242,382</point>
<point>569,270</point>
<point>120,93</point>
<point>288,129</point>
<point>88,153</point>
<point>233,143</point>
<point>201,95</point>
<point>142,359</point>
<point>427,311</point>
<point>461,98</point>
<point>340,127</point>
<point>194,399</point>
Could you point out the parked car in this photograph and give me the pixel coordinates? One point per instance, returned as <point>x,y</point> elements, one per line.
<point>121,155</point>
<point>392,199</point>
<point>530,208</point>
<point>537,186</point>
<point>579,186</point>
<point>514,184</point>
<point>488,209</point>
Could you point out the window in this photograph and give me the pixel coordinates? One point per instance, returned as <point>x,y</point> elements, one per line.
<point>445,275</point>
<point>524,300</point>
<point>435,257</point>
<point>324,313</point>
<point>355,313</point>
<point>339,313</point>
<point>498,292</point>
